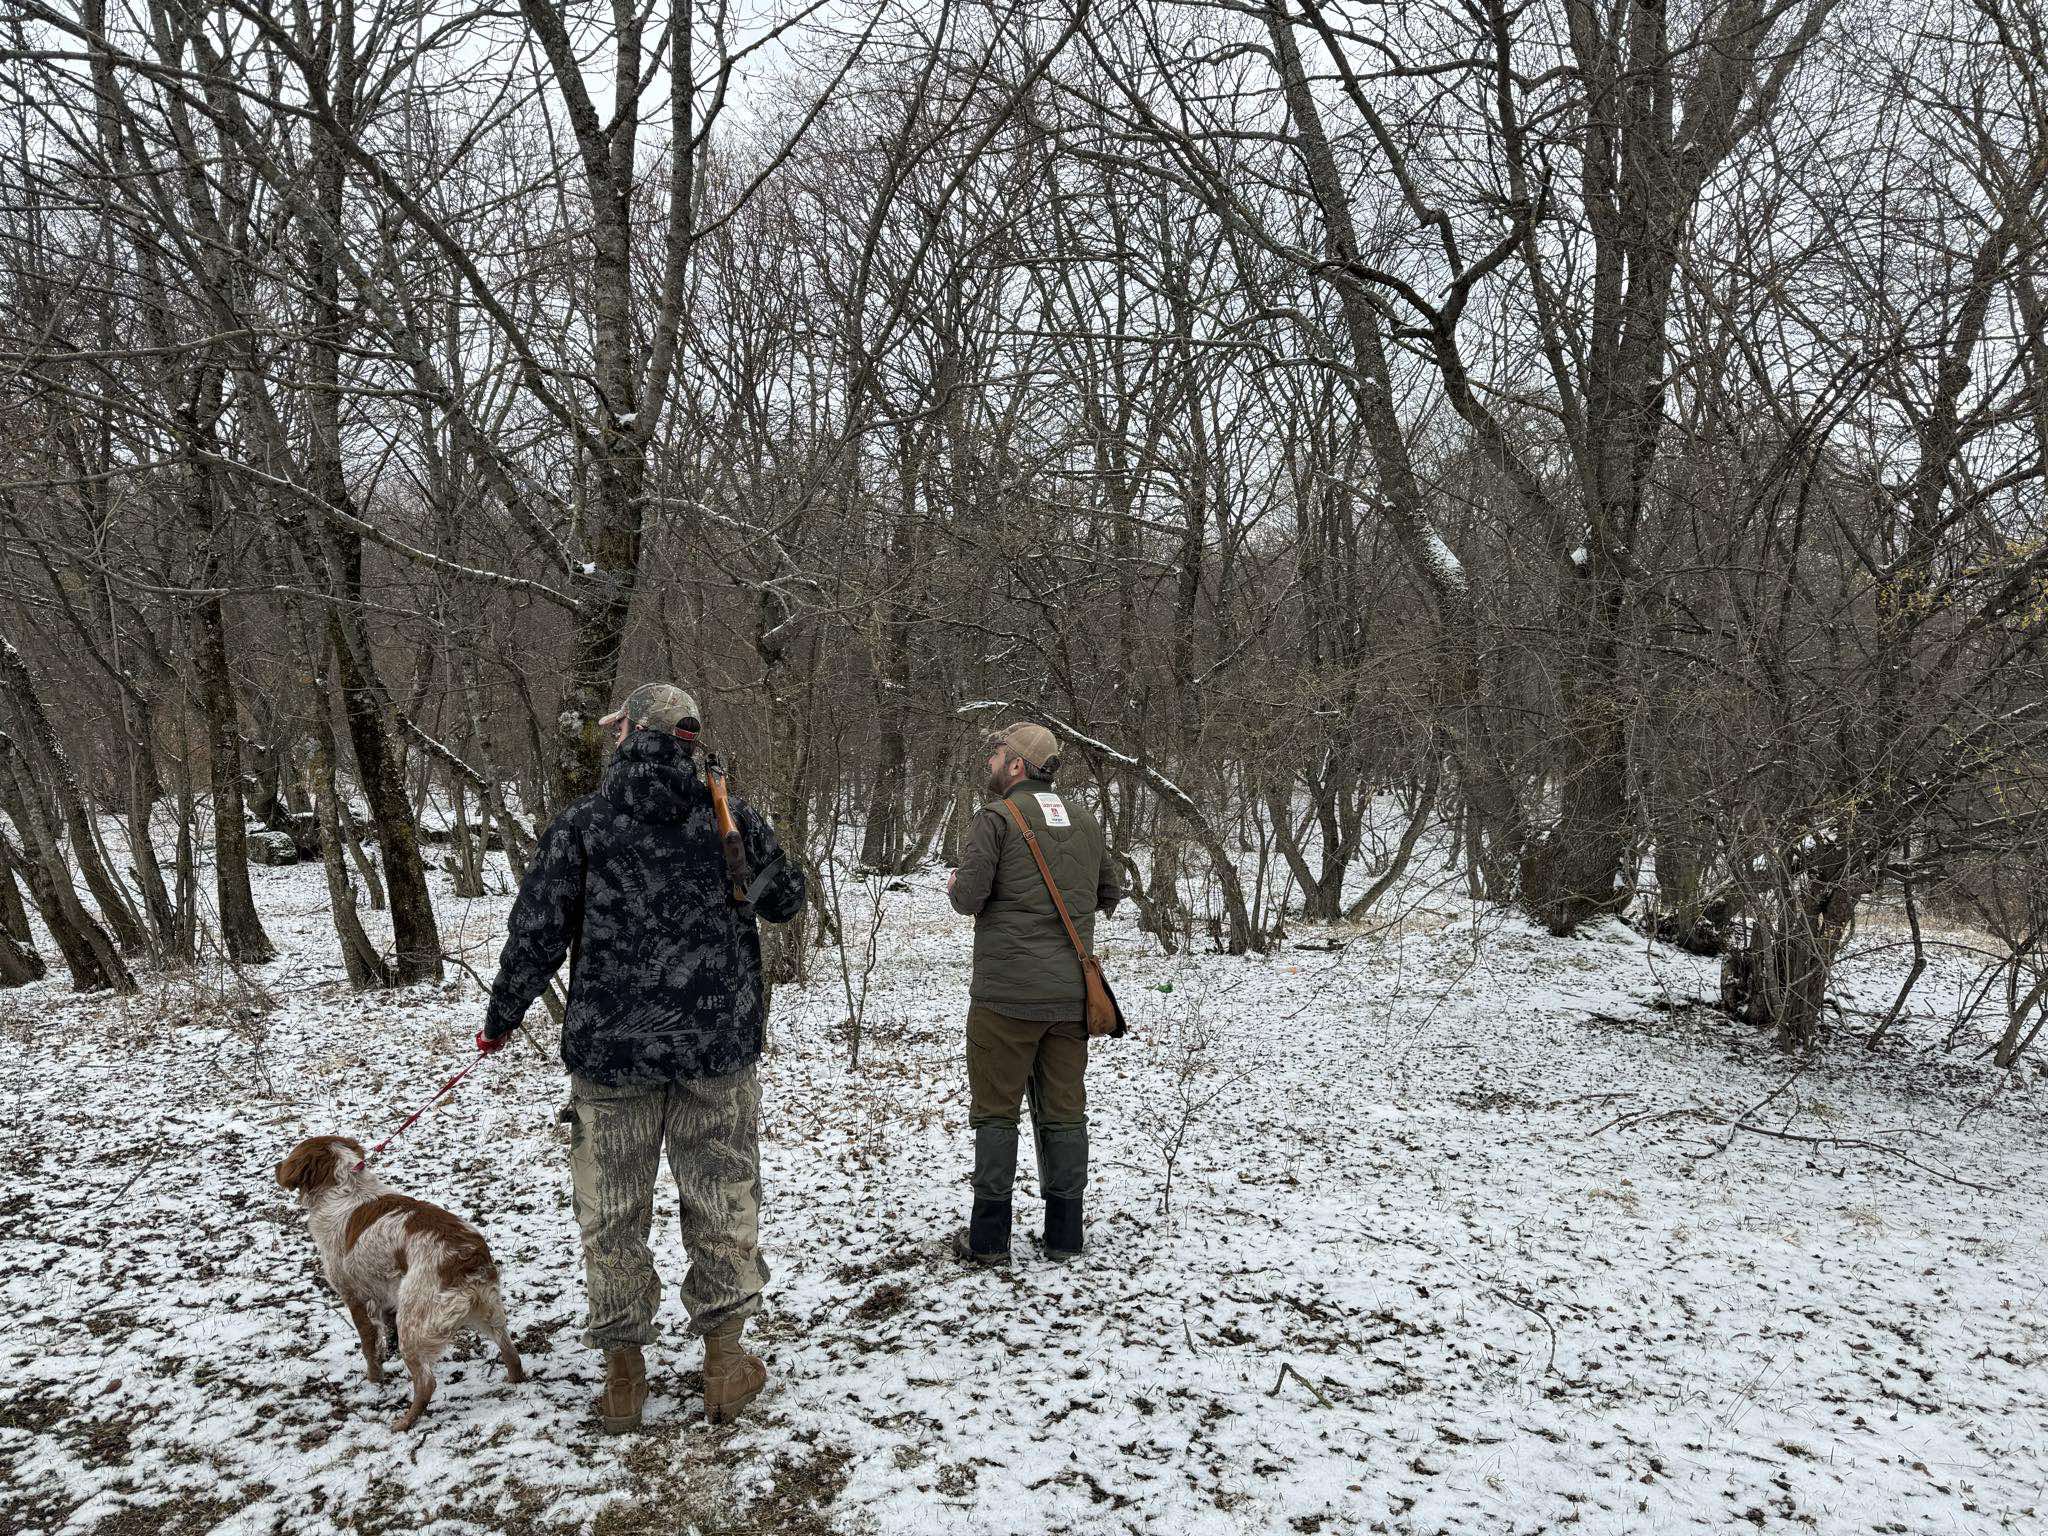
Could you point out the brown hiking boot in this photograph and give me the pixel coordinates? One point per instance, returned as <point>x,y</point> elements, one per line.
<point>625,1390</point>
<point>732,1377</point>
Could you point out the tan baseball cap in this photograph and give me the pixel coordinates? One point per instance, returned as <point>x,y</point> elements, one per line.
<point>656,707</point>
<point>1039,748</point>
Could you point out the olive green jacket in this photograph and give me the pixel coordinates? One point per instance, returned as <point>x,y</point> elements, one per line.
<point>1024,964</point>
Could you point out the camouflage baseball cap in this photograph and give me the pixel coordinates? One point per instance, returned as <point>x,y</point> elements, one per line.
<point>1039,748</point>
<point>656,707</point>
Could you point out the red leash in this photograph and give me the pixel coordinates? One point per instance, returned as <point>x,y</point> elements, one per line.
<point>438,1095</point>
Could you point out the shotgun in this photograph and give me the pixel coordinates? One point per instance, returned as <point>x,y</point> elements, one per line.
<point>728,829</point>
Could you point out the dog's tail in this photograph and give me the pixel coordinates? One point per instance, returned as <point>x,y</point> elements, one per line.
<point>445,1313</point>
<point>432,1314</point>
<point>486,1302</point>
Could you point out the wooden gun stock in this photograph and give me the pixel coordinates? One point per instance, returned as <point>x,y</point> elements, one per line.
<point>728,830</point>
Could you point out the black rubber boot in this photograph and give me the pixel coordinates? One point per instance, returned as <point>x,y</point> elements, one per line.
<point>986,1237</point>
<point>1062,1228</point>
<point>1063,1173</point>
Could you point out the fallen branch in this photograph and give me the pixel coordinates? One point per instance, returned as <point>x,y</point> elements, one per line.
<point>1857,1143</point>
<point>120,1194</point>
<point>1287,1370</point>
<point>1742,1122</point>
<point>1738,1122</point>
<point>1590,1098</point>
<point>1550,1365</point>
<point>1634,1118</point>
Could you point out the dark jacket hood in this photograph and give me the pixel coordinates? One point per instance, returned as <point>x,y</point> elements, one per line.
<point>653,777</point>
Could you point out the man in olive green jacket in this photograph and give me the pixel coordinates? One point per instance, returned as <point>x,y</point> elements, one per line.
<point>1026,1029</point>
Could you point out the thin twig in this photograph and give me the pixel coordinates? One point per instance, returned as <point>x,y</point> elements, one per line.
<point>1639,1117</point>
<point>1287,1370</point>
<point>1550,1365</point>
<point>1858,1143</point>
<point>1591,1098</point>
<point>154,1153</point>
<point>1739,1121</point>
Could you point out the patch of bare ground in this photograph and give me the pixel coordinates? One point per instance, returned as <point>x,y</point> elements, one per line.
<point>183,1515</point>
<point>513,1509</point>
<point>679,1485</point>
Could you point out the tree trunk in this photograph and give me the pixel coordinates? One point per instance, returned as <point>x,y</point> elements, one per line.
<point>957,819</point>
<point>784,955</point>
<point>19,965</point>
<point>241,929</point>
<point>366,968</point>
<point>367,710</point>
<point>46,753</point>
<point>415,936</point>
<point>92,956</point>
<point>614,501</point>
<point>364,861</point>
<point>19,962</point>
<point>185,891</point>
<point>2013,1043</point>
<point>1579,869</point>
<point>264,795</point>
<point>517,844</point>
<point>1779,978</point>
<point>885,840</point>
<point>13,914</point>
<point>1280,817</point>
<point>465,847</point>
<point>143,784</point>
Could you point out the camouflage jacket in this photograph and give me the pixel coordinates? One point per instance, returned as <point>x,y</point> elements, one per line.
<point>630,883</point>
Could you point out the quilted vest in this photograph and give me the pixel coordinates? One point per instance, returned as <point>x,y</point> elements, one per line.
<point>1023,963</point>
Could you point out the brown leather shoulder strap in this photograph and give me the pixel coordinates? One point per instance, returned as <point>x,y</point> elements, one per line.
<point>1052,885</point>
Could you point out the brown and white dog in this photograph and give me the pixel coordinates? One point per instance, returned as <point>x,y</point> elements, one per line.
<point>386,1253</point>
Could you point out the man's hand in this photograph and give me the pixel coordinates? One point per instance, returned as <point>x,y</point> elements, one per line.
<point>486,1046</point>
<point>955,875</point>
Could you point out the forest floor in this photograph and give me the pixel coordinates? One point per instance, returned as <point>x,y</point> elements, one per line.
<point>1470,1229</point>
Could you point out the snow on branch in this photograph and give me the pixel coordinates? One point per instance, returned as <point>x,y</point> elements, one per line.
<point>443,751</point>
<point>1449,569</point>
<point>1160,783</point>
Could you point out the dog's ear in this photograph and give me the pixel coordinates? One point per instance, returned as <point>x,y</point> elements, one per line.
<point>297,1167</point>
<point>310,1165</point>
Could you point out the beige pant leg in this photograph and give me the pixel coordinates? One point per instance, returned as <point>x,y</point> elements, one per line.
<point>714,1151</point>
<point>614,1149</point>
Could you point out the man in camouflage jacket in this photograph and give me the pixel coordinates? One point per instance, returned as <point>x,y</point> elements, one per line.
<point>664,1024</point>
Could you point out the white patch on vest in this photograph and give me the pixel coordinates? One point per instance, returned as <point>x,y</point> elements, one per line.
<point>1055,811</point>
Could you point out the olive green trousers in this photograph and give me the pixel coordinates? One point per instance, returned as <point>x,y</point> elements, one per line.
<point>1045,1062</point>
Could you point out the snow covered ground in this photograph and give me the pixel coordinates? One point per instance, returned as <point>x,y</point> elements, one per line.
<point>1459,1240</point>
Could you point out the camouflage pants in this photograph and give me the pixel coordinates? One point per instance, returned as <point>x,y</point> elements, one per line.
<point>710,1129</point>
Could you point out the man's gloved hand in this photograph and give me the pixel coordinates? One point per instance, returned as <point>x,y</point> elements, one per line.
<point>487,1046</point>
